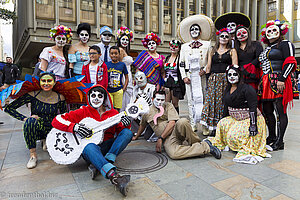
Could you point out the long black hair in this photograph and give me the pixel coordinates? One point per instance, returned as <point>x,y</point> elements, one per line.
<point>127,49</point>
<point>241,81</point>
<point>250,48</point>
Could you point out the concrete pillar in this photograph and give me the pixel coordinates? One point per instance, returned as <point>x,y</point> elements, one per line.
<point>209,8</point>
<point>254,15</point>
<point>77,12</point>
<point>262,12</point>
<point>161,19</point>
<point>247,7</point>
<point>198,7</point>
<point>237,5</point>
<point>98,18</point>
<point>115,15</point>
<point>34,16</point>
<point>278,9</point>
<point>229,6</point>
<point>131,15</point>
<point>56,13</point>
<point>147,16</point>
<point>186,8</point>
<point>174,18</point>
<point>219,8</point>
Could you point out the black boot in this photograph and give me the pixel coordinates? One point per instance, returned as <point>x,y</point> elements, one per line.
<point>120,182</point>
<point>93,171</point>
<point>177,109</point>
<point>270,140</point>
<point>214,150</point>
<point>278,145</point>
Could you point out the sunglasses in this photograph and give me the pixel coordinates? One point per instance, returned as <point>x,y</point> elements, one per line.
<point>105,34</point>
<point>82,34</point>
<point>61,38</point>
<point>93,53</point>
<point>224,36</point>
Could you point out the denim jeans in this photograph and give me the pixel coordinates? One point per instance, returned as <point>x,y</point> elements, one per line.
<point>110,148</point>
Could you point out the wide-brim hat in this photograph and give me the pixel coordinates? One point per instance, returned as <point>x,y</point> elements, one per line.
<point>236,17</point>
<point>205,23</point>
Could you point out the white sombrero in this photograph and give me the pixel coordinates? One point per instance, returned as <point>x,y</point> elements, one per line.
<point>206,24</point>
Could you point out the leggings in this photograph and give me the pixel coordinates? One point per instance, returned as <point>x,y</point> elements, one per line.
<point>282,119</point>
<point>34,130</point>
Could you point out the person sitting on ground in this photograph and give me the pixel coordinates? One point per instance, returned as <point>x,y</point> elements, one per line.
<point>243,128</point>
<point>116,70</point>
<point>45,105</point>
<point>115,140</point>
<point>96,70</point>
<point>172,131</point>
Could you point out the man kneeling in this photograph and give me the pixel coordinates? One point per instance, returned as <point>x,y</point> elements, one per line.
<point>173,131</point>
<point>101,156</point>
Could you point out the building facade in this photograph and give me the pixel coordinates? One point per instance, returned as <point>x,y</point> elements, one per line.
<point>36,17</point>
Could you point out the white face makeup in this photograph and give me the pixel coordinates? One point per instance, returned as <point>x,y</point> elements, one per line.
<point>232,27</point>
<point>140,78</point>
<point>96,99</point>
<point>242,34</point>
<point>61,40</point>
<point>124,41</point>
<point>195,31</point>
<point>151,45</point>
<point>272,32</point>
<point>105,37</point>
<point>174,47</point>
<point>224,38</point>
<point>233,76</point>
<point>84,36</point>
<point>159,100</point>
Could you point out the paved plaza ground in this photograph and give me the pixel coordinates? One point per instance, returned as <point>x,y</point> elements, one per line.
<point>198,178</point>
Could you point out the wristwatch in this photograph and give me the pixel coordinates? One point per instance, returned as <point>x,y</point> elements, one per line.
<point>163,139</point>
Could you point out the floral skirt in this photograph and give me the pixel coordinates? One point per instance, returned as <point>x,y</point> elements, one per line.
<point>213,105</point>
<point>235,134</point>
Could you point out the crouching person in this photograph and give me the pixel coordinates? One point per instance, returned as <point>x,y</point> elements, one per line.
<point>173,131</point>
<point>100,156</point>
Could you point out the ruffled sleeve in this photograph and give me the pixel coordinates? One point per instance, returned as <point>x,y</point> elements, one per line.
<point>46,54</point>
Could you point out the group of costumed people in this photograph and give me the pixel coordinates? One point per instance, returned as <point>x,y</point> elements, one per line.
<point>232,91</point>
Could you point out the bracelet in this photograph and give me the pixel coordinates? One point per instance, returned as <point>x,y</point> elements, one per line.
<point>161,138</point>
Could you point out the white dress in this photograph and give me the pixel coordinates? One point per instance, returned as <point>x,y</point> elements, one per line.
<point>128,60</point>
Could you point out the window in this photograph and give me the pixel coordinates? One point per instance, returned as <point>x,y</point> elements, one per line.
<point>167,16</point>
<point>296,29</point>
<point>180,10</point>
<point>106,12</point>
<point>45,9</point>
<point>192,7</point>
<point>122,13</point>
<point>271,6</point>
<point>204,7</point>
<point>139,14</point>
<point>154,16</point>
<point>87,11</point>
<point>67,10</point>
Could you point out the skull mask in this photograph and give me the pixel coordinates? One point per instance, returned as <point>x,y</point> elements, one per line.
<point>272,32</point>
<point>224,38</point>
<point>233,76</point>
<point>159,100</point>
<point>106,37</point>
<point>140,78</point>
<point>84,36</point>
<point>96,98</point>
<point>242,34</point>
<point>174,46</point>
<point>151,45</point>
<point>60,40</point>
<point>232,27</point>
<point>124,41</point>
<point>195,31</point>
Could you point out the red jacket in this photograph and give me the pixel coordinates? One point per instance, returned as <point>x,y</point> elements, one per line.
<point>66,122</point>
<point>102,75</point>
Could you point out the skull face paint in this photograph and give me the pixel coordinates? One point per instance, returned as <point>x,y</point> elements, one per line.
<point>96,99</point>
<point>151,45</point>
<point>174,47</point>
<point>195,31</point>
<point>140,78</point>
<point>224,38</point>
<point>272,32</point>
<point>232,76</point>
<point>232,27</point>
<point>124,41</point>
<point>242,34</point>
<point>105,37</point>
<point>47,82</point>
<point>84,36</point>
<point>159,100</point>
<point>61,40</point>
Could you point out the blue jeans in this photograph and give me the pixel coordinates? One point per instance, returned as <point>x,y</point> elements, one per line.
<point>110,148</point>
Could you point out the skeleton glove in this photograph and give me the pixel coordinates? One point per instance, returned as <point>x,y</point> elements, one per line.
<point>253,131</point>
<point>83,131</point>
<point>125,120</point>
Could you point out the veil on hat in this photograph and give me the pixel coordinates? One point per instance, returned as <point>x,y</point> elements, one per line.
<point>205,23</point>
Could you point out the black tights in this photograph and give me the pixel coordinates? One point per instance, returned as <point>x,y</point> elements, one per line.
<point>282,119</point>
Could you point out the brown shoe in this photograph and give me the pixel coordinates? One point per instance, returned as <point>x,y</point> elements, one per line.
<point>120,182</point>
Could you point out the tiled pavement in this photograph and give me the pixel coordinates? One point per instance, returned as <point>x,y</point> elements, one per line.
<point>198,178</point>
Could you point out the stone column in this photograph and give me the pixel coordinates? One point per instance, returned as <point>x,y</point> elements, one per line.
<point>131,15</point>
<point>254,15</point>
<point>147,16</point>
<point>115,15</point>
<point>229,6</point>
<point>237,5</point>
<point>174,18</point>
<point>161,19</point>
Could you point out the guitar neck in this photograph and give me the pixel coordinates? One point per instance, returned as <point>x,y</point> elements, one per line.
<point>103,125</point>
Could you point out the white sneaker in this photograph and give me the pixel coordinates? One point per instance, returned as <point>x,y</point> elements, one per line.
<point>44,145</point>
<point>194,127</point>
<point>32,163</point>
<point>205,131</point>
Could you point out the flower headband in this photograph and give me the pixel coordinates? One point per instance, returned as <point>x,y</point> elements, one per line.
<point>232,66</point>
<point>151,36</point>
<point>223,30</point>
<point>61,30</point>
<point>123,30</point>
<point>283,26</point>
<point>175,42</point>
